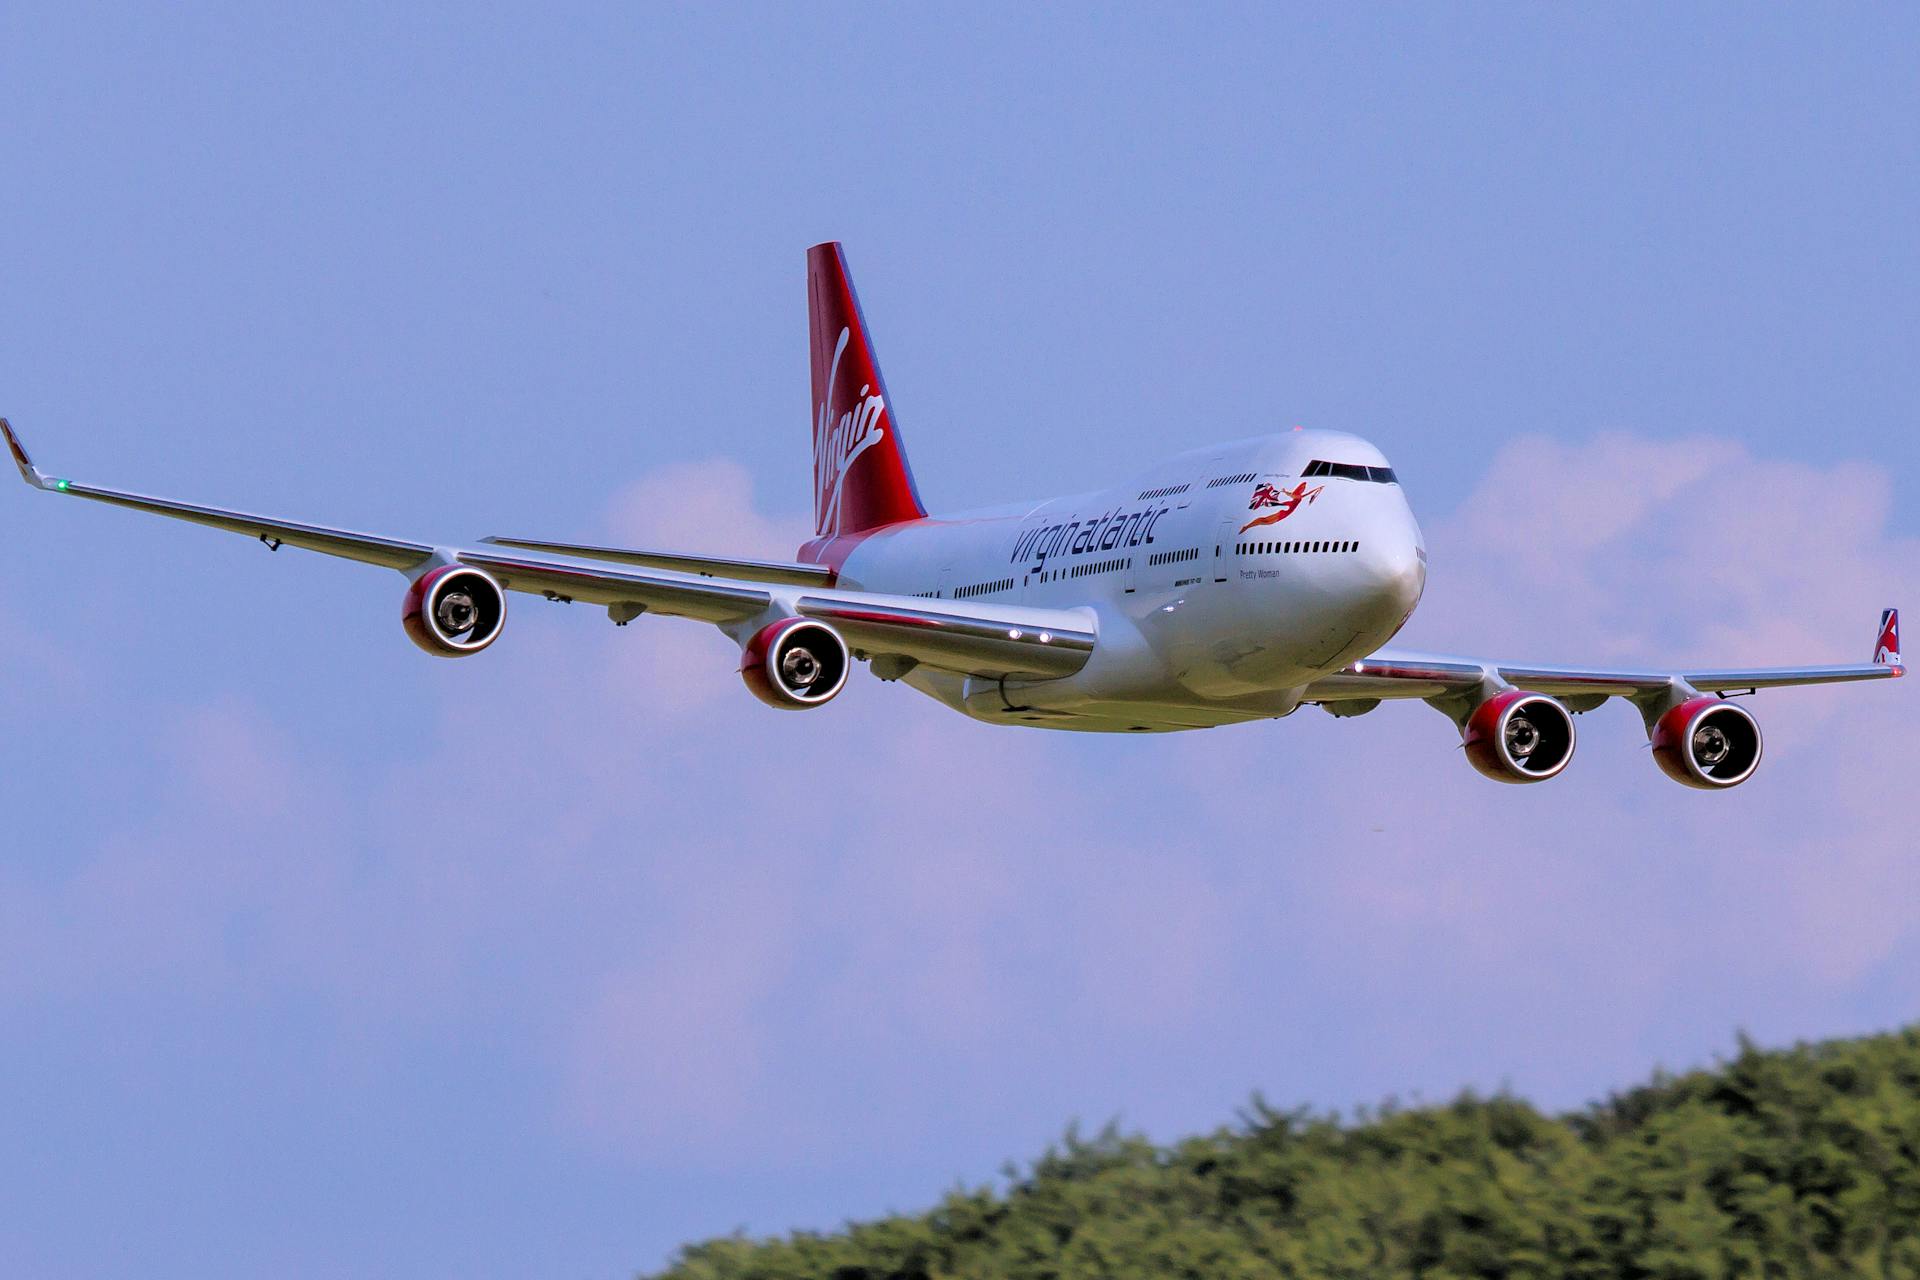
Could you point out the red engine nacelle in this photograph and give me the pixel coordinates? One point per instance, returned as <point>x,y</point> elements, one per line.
<point>1706,742</point>
<point>1518,736</point>
<point>454,611</point>
<point>795,663</point>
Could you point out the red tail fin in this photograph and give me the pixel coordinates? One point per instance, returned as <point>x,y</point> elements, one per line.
<point>860,475</point>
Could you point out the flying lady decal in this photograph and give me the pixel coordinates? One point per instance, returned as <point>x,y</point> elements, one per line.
<point>1283,501</point>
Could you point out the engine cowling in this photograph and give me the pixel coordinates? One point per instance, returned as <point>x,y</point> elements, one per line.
<point>1518,736</point>
<point>795,664</point>
<point>1706,742</point>
<point>454,611</point>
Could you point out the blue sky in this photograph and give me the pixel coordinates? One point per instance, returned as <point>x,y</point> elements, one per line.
<point>322,957</point>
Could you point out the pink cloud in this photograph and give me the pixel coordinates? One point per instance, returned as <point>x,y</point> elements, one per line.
<point>706,505</point>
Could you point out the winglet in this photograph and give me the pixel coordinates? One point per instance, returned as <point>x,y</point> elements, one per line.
<point>28,472</point>
<point>1886,650</point>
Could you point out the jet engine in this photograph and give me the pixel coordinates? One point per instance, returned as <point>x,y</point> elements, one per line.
<point>795,663</point>
<point>1706,742</point>
<point>1518,736</point>
<point>454,611</point>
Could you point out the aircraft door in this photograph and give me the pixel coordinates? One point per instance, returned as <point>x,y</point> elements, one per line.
<point>1199,482</point>
<point>1223,547</point>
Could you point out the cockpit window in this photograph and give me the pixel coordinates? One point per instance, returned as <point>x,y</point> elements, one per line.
<point>1350,471</point>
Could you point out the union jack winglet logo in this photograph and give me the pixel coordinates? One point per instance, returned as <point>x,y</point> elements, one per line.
<point>1283,501</point>
<point>1887,651</point>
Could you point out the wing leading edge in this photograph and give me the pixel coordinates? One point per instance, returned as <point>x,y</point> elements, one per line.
<point>1393,674</point>
<point>969,638</point>
<point>782,571</point>
<point>367,548</point>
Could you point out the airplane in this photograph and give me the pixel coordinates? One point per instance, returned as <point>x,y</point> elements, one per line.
<point>1231,583</point>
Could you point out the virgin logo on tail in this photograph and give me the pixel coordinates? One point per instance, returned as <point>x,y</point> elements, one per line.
<point>838,440</point>
<point>1887,651</point>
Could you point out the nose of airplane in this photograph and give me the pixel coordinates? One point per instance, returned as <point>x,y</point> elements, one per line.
<point>1393,568</point>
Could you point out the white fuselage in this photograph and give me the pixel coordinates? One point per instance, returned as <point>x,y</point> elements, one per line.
<point>1221,582</point>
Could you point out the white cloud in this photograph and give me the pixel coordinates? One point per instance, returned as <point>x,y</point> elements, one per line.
<point>1646,553</point>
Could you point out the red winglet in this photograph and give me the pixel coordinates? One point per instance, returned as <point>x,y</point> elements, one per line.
<point>28,472</point>
<point>20,458</point>
<point>1887,650</point>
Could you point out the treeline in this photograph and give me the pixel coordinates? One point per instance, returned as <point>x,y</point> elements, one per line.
<point>1791,1163</point>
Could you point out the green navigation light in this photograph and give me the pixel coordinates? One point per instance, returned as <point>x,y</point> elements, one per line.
<point>61,485</point>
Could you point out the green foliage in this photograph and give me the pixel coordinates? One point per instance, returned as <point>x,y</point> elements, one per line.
<point>1794,1163</point>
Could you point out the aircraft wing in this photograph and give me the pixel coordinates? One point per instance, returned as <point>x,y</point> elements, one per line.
<point>364,547</point>
<point>962,636</point>
<point>967,637</point>
<point>1390,673</point>
<point>784,571</point>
